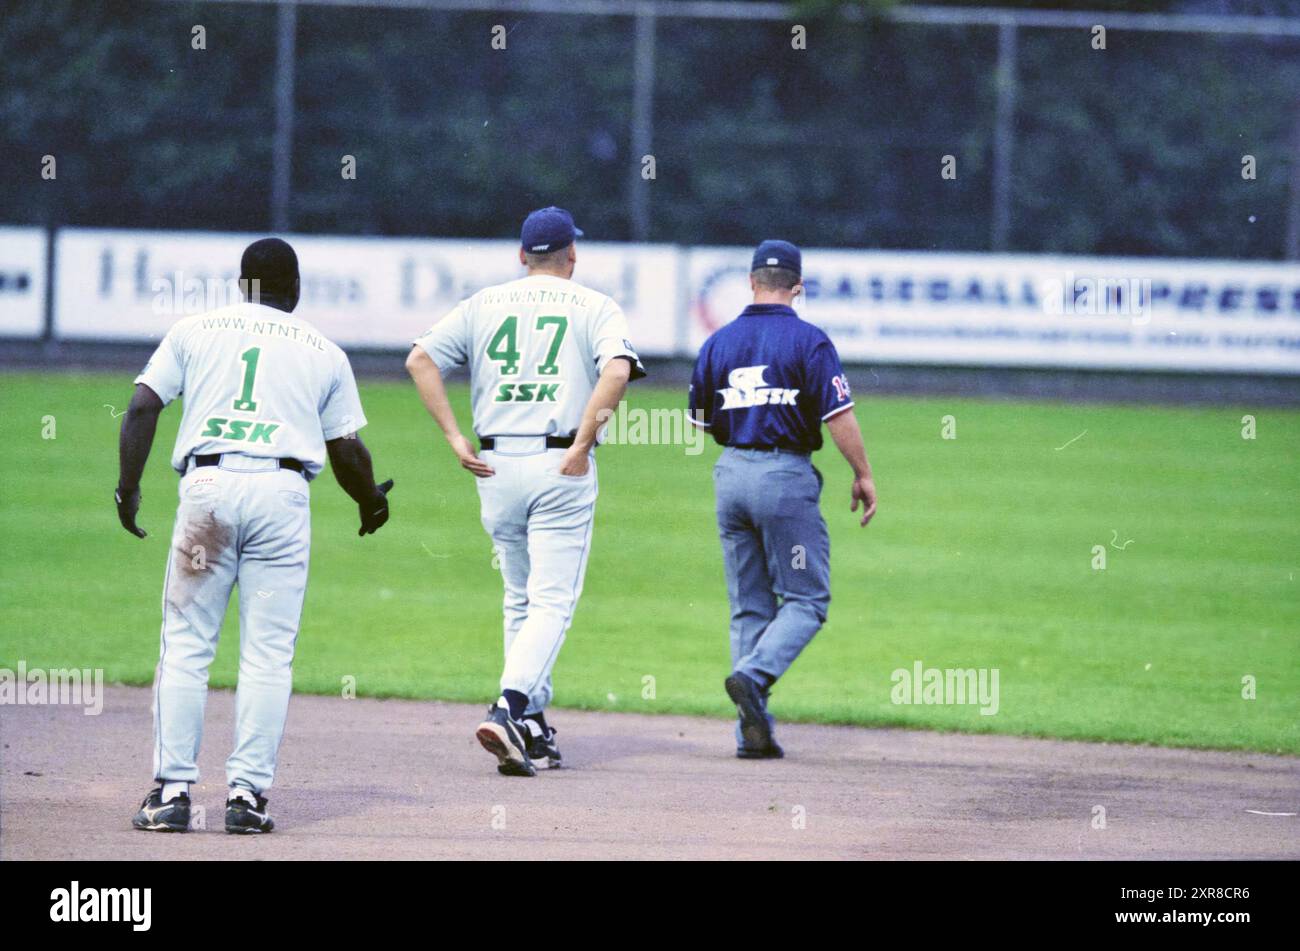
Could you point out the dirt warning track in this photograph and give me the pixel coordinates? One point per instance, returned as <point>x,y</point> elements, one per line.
<point>376,779</point>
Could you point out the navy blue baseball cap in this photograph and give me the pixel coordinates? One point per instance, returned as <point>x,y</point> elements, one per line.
<point>778,254</point>
<point>548,229</point>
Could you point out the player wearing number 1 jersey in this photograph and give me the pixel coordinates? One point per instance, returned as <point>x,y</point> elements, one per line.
<point>266,399</point>
<point>549,359</point>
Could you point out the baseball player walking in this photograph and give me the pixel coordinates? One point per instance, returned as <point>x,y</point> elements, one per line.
<point>266,398</point>
<point>549,359</point>
<point>763,385</point>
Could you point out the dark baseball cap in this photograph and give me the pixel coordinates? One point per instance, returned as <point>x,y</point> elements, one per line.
<point>773,253</point>
<point>548,229</point>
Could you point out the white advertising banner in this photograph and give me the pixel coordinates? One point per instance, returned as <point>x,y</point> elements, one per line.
<point>878,306</point>
<point>1012,310</point>
<point>360,292</point>
<point>22,282</point>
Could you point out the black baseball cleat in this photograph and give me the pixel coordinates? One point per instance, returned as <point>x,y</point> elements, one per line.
<point>771,751</point>
<point>755,731</point>
<point>158,816</point>
<point>506,739</point>
<point>542,748</point>
<point>244,818</point>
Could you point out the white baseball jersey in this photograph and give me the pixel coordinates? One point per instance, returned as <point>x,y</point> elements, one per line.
<point>256,381</point>
<point>535,348</point>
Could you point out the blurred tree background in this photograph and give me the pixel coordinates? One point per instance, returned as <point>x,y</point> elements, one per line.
<point>1136,149</point>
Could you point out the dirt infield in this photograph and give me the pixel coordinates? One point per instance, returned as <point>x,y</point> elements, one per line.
<point>370,779</point>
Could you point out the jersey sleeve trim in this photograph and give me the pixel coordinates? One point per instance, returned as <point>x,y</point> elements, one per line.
<point>158,390</point>
<point>837,410</point>
<point>638,370</point>
<point>351,425</point>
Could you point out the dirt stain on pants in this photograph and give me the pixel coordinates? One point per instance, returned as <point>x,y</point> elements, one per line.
<point>204,541</point>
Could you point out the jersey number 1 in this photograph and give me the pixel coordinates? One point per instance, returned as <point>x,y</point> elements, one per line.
<point>245,403</point>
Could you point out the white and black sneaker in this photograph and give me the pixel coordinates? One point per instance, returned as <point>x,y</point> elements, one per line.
<point>158,816</point>
<point>247,818</point>
<point>507,740</point>
<point>542,748</point>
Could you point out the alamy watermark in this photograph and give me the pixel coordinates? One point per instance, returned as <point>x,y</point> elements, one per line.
<point>949,686</point>
<point>58,687</point>
<point>77,904</point>
<point>1093,296</point>
<point>177,295</point>
<point>657,426</point>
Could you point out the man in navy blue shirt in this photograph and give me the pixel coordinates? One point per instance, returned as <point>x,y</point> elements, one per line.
<point>763,385</point>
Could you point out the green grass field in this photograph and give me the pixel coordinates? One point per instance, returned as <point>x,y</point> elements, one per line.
<point>981,556</point>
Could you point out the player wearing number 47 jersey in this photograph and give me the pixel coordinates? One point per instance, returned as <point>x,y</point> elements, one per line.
<point>548,359</point>
<point>266,399</point>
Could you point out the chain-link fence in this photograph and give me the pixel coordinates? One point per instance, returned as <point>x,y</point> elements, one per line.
<point>694,123</point>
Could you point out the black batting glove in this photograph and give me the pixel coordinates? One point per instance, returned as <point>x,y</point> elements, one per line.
<point>128,506</point>
<point>375,512</point>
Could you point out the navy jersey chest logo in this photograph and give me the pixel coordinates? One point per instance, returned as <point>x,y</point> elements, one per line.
<point>746,387</point>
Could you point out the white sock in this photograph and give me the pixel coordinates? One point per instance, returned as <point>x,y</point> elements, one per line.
<point>171,790</point>
<point>239,792</point>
